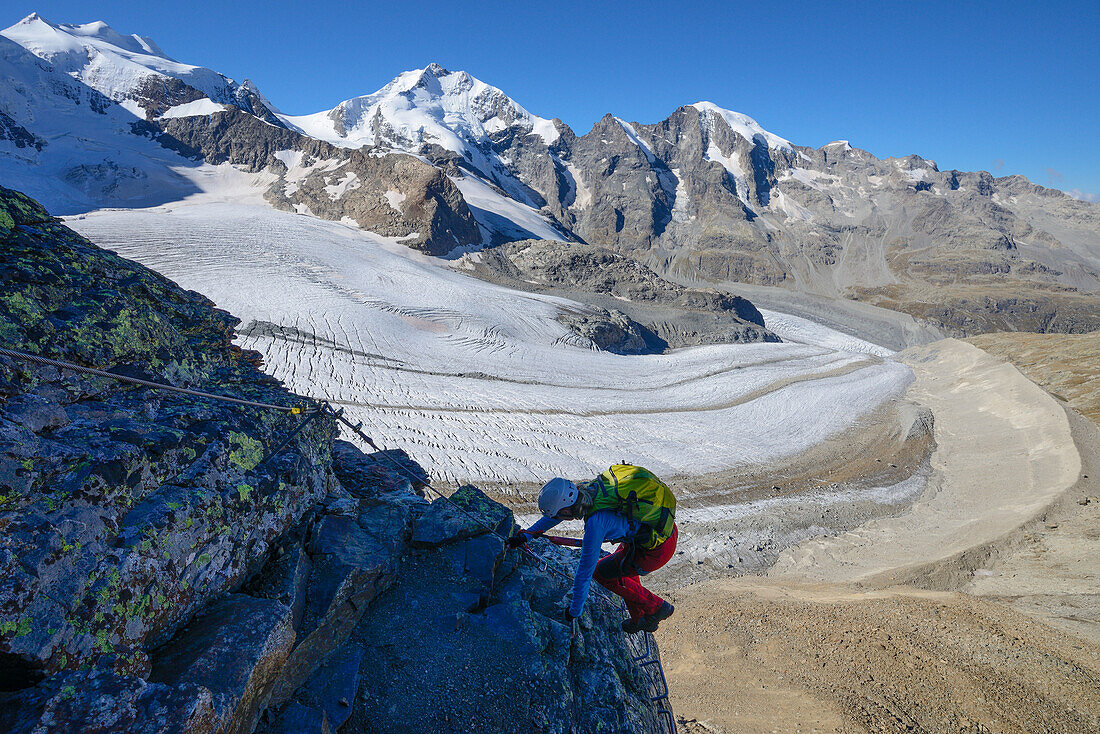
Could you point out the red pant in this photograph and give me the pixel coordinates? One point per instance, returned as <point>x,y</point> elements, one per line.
<point>619,571</point>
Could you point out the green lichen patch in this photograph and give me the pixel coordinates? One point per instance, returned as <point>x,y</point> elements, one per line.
<point>18,208</point>
<point>20,628</point>
<point>141,460</point>
<point>247,452</point>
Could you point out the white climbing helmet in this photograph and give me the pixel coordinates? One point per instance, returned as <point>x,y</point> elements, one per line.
<point>556,495</point>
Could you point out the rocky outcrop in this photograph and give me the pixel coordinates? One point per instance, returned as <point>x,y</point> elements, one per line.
<point>175,564</point>
<point>698,201</point>
<point>395,195</point>
<point>632,310</point>
<point>124,511</point>
<point>19,136</point>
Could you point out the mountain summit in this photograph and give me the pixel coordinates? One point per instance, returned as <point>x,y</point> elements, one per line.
<point>429,106</point>
<point>131,70</point>
<point>445,162</point>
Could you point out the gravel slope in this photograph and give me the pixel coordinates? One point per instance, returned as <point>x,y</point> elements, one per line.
<point>1002,636</point>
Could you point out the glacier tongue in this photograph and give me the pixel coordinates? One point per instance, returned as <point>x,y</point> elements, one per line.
<point>479,381</point>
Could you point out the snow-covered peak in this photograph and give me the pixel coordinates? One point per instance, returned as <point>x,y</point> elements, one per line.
<point>743,125</point>
<point>248,87</point>
<point>104,33</point>
<point>110,62</point>
<point>46,39</point>
<point>432,105</point>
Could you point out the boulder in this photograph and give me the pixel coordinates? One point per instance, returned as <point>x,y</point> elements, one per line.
<point>469,513</point>
<point>353,559</point>
<point>103,701</point>
<point>298,719</point>
<point>332,688</point>
<point>235,648</point>
<point>383,471</point>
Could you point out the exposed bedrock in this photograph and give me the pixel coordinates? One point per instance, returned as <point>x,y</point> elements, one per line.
<point>706,196</point>
<point>393,194</point>
<point>632,309</point>
<point>164,571</point>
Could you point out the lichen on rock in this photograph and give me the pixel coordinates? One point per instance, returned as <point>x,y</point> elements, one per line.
<point>160,572</point>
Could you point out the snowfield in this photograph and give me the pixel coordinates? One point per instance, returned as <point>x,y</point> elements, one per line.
<point>481,382</point>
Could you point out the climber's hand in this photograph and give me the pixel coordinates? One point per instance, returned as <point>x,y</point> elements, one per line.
<point>572,623</point>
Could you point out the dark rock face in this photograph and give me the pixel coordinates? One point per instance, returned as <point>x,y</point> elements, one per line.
<point>696,200</point>
<point>124,511</point>
<point>159,574</point>
<point>17,134</point>
<point>613,331</point>
<point>157,94</point>
<point>634,310</point>
<point>395,195</point>
<point>491,652</point>
<point>102,701</point>
<point>235,648</point>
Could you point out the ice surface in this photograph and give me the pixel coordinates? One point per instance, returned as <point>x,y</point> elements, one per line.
<point>479,381</point>
<point>732,164</point>
<point>803,331</point>
<point>523,221</point>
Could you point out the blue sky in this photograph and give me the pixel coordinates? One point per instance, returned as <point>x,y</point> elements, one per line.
<point>1009,87</point>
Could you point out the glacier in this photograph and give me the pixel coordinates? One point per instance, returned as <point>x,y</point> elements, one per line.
<point>481,382</point>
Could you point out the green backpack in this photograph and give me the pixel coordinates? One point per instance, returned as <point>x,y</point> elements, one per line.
<point>641,496</point>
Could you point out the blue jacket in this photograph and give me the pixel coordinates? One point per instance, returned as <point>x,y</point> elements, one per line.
<point>600,527</point>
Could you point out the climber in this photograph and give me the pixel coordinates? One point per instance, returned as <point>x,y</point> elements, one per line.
<point>628,505</point>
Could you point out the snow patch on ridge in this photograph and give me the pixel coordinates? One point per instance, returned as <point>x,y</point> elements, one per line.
<point>193,109</point>
<point>485,202</point>
<point>394,198</point>
<point>633,135</point>
<point>732,163</point>
<point>681,207</point>
<point>744,126</point>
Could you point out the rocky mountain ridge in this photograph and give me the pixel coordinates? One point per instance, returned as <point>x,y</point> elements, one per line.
<point>446,163</point>
<point>160,117</point>
<point>638,312</point>
<point>174,564</point>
